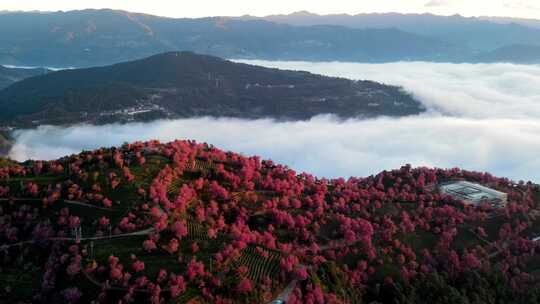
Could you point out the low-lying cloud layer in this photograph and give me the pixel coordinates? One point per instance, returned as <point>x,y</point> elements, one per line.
<point>482,117</point>
<point>462,90</point>
<point>324,146</point>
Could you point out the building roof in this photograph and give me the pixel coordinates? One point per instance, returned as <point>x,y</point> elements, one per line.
<point>473,193</point>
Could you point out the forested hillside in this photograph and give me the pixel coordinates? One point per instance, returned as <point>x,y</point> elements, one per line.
<point>185,222</point>
<point>9,76</point>
<point>184,84</point>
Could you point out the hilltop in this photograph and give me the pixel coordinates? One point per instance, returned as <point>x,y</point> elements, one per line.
<point>184,84</point>
<point>186,222</point>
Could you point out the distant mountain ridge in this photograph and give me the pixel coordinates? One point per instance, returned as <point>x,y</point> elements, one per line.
<point>516,53</point>
<point>535,23</point>
<point>184,84</point>
<point>479,33</point>
<point>88,38</point>
<point>101,37</point>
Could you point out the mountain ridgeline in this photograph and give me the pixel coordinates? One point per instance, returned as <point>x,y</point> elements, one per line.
<point>479,34</point>
<point>101,37</point>
<point>184,84</point>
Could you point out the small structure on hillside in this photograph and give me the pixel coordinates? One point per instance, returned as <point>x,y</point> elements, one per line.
<point>474,194</point>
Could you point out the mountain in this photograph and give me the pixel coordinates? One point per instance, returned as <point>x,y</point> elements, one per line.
<point>184,222</point>
<point>184,84</point>
<point>524,54</point>
<point>101,37</point>
<point>9,76</point>
<point>534,23</point>
<point>479,34</point>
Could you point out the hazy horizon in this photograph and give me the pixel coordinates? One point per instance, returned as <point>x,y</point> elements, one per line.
<point>205,8</point>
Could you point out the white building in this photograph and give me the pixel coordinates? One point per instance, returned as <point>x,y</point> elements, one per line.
<point>474,194</point>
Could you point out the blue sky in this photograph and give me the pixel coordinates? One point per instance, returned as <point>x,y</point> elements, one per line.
<point>199,8</point>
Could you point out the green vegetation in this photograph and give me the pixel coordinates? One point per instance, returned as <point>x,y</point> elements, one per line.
<point>184,84</point>
<point>187,223</point>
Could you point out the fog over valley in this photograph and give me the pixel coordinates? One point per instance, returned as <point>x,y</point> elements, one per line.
<point>464,90</point>
<point>480,117</point>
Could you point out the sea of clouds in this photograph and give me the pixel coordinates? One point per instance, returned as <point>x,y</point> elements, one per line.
<point>483,117</point>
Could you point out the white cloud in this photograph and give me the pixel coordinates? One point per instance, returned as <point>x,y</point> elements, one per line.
<point>521,5</point>
<point>434,3</point>
<point>324,146</point>
<point>461,90</point>
<point>491,122</point>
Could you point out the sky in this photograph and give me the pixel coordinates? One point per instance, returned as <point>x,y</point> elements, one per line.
<point>202,8</point>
